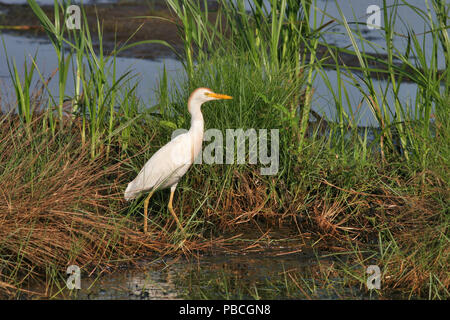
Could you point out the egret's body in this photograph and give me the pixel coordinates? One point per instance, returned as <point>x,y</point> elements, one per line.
<point>166,167</point>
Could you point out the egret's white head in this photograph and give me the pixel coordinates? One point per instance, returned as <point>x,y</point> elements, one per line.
<point>202,95</point>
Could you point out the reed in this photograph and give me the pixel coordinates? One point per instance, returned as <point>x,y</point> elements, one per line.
<point>366,195</point>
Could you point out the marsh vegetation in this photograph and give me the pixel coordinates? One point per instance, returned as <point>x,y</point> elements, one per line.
<point>358,195</point>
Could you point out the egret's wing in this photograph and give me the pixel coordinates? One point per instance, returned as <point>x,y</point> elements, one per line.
<point>166,166</point>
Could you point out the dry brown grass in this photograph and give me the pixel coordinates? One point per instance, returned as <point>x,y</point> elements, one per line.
<point>59,208</point>
<point>331,212</point>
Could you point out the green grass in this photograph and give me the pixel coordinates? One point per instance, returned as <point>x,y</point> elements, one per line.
<point>372,196</point>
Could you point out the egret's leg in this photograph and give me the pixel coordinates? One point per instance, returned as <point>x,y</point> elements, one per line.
<point>145,209</point>
<point>172,191</point>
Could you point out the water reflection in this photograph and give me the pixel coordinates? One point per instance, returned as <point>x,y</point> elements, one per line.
<point>258,275</point>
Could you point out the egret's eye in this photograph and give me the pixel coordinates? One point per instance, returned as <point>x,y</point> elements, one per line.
<point>207,94</point>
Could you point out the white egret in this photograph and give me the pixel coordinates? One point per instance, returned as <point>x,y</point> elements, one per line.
<point>166,167</point>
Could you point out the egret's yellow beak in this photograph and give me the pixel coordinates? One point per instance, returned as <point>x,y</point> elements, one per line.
<point>218,95</point>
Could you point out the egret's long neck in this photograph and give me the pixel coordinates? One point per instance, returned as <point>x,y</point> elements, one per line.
<point>196,130</point>
<point>197,123</point>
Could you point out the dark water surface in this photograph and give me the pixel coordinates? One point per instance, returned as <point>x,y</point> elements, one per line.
<point>252,276</point>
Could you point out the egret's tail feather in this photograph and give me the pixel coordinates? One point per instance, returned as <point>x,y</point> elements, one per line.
<point>130,192</point>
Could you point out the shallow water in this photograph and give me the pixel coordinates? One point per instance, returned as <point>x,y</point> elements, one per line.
<point>262,275</point>
<point>21,49</point>
<point>354,12</point>
<point>148,72</point>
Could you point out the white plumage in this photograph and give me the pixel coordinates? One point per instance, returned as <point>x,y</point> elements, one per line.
<point>166,167</point>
